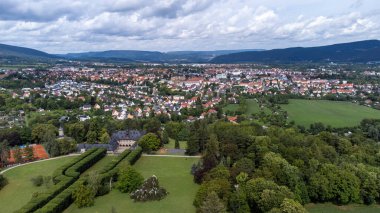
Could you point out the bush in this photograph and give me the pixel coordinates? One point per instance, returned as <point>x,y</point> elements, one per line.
<point>149,142</point>
<point>37,181</point>
<point>129,179</point>
<point>149,191</point>
<point>63,177</point>
<point>3,181</point>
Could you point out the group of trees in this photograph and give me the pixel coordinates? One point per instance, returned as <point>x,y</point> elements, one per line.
<point>276,169</point>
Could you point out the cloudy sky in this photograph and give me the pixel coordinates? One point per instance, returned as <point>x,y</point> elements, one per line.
<point>60,26</point>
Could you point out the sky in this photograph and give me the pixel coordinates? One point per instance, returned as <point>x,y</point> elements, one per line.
<point>62,26</point>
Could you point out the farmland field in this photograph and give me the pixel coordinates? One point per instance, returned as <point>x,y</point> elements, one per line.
<point>20,189</point>
<point>334,113</point>
<point>173,174</point>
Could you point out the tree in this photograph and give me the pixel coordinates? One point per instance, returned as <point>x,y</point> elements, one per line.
<point>83,196</point>
<point>212,204</point>
<point>104,138</point>
<point>149,142</point>
<point>176,144</point>
<point>42,133</point>
<point>222,187</point>
<point>17,154</point>
<point>238,202</point>
<point>153,125</point>
<point>129,179</point>
<point>91,137</point>
<point>4,153</point>
<point>66,145</point>
<point>291,206</point>
<point>29,153</point>
<point>165,137</point>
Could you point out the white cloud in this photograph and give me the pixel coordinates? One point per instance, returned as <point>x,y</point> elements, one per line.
<point>73,25</point>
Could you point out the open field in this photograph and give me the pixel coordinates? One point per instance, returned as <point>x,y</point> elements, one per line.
<point>20,189</point>
<point>334,113</point>
<point>252,107</point>
<point>331,208</point>
<point>173,174</point>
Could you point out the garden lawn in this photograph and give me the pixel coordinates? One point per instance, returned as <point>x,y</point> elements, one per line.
<point>20,189</point>
<point>171,144</point>
<point>334,113</point>
<point>173,174</point>
<point>331,208</point>
<point>100,164</point>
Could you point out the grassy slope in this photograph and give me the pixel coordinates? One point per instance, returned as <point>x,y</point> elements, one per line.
<point>173,174</point>
<point>336,114</point>
<point>20,189</point>
<point>330,208</point>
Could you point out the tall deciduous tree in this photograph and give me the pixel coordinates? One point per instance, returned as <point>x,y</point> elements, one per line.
<point>212,204</point>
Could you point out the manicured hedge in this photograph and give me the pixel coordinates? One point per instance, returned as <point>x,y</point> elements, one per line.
<point>61,170</point>
<point>68,177</point>
<point>64,199</point>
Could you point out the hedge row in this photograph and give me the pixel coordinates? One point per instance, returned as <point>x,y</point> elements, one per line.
<point>64,180</point>
<point>61,170</point>
<point>64,199</point>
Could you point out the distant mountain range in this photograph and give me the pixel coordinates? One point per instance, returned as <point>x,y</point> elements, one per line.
<point>361,51</point>
<point>151,56</point>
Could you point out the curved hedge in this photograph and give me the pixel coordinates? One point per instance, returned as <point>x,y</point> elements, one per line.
<point>69,173</point>
<point>64,199</point>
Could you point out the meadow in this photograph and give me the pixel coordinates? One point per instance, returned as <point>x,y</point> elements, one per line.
<point>252,107</point>
<point>173,174</point>
<point>333,113</point>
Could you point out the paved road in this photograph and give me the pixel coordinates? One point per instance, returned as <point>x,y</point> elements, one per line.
<point>10,168</point>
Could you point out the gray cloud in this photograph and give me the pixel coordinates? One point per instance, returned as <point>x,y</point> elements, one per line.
<point>74,25</point>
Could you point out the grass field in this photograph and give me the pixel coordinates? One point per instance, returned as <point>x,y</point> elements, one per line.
<point>173,174</point>
<point>100,164</point>
<point>171,144</point>
<point>20,189</point>
<point>252,107</point>
<point>334,113</point>
<point>331,208</point>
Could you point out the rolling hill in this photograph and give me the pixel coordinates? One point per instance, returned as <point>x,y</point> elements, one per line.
<point>361,51</point>
<point>151,56</point>
<point>14,52</point>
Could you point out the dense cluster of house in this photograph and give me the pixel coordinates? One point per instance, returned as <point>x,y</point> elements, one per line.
<point>137,92</point>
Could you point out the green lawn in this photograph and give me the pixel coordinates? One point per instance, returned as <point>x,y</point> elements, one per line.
<point>252,107</point>
<point>334,113</point>
<point>171,144</point>
<point>331,208</point>
<point>173,174</point>
<point>100,164</point>
<point>20,189</point>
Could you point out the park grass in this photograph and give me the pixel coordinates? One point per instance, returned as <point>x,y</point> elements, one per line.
<point>331,208</point>
<point>100,164</point>
<point>171,144</point>
<point>20,189</point>
<point>333,113</point>
<point>173,174</point>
